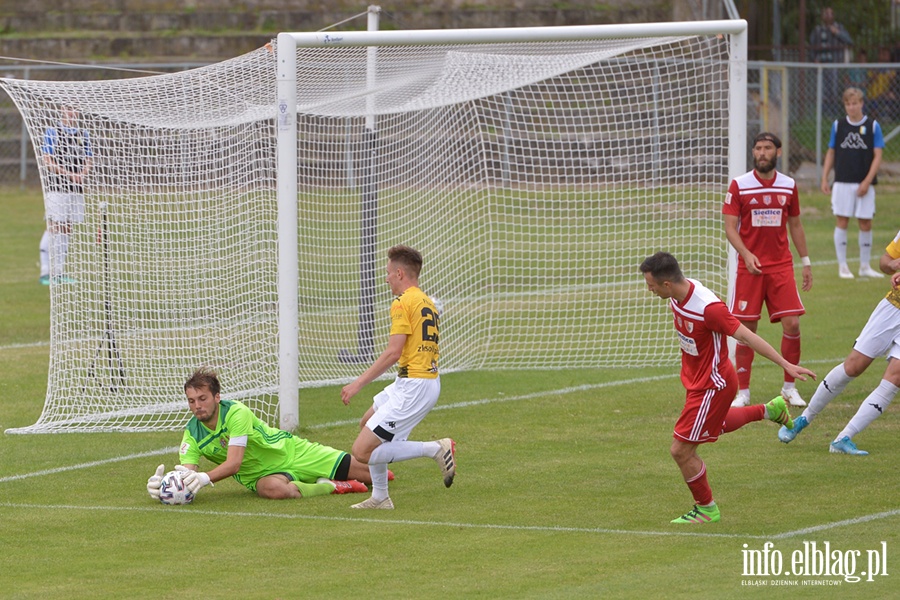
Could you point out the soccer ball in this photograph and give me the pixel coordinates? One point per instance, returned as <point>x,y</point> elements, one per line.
<point>173,491</point>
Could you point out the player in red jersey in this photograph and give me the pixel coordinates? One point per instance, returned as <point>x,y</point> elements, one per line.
<point>703,324</point>
<point>761,208</point>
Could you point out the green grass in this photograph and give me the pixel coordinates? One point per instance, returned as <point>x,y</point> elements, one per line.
<point>565,487</point>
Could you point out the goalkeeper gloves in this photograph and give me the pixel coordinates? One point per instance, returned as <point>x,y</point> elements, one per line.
<point>155,481</point>
<point>194,480</point>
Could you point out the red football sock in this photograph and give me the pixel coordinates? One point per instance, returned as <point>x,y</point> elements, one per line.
<point>790,350</point>
<point>738,416</point>
<point>699,487</point>
<point>743,357</point>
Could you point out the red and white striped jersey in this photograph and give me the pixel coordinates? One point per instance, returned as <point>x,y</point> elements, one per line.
<point>703,324</point>
<point>763,207</point>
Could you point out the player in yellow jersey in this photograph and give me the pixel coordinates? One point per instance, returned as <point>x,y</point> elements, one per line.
<point>398,408</point>
<point>879,337</point>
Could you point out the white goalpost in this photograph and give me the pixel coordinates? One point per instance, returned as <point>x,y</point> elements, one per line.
<point>238,215</point>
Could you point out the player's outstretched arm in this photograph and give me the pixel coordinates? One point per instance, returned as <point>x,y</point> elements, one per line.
<point>388,358</point>
<point>763,348</point>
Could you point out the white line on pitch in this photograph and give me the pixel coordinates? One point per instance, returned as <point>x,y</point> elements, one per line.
<point>20,346</point>
<point>845,522</point>
<point>558,392</point>
<point>191,511</point>
<point>86,465</point>
<point>172,450</point>
<point>532,396</point>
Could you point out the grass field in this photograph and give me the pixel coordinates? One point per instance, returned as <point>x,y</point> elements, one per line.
<point>565,486</point>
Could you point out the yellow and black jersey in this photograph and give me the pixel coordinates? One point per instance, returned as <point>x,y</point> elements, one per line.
<point>893,250</point>
<point>413,314</point>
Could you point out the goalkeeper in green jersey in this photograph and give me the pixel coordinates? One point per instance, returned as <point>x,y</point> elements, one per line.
<point>273,463</point>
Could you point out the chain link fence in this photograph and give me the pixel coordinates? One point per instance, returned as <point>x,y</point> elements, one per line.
<point>798,101</point>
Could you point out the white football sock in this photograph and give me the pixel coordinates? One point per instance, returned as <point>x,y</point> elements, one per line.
<point>390,452</point>
<point>840,245</point>
<point>45,253</point>
<point>865,248</point>
<point>59,247</point>
<point>832,385</point>
<point>870,409</point>
<point>379,473</point>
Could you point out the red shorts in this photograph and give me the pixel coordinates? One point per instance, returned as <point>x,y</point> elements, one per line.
<point>703,418</point>
<point>778,289</point>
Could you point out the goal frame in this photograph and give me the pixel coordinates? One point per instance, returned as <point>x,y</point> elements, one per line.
<point>286,137</point>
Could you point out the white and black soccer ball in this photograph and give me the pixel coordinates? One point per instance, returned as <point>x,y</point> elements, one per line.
<point>172,490</point>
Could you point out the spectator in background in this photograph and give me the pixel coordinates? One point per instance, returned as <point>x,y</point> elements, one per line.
<point>883,89</point>
<point>858,76</point>
<point>828,42</point>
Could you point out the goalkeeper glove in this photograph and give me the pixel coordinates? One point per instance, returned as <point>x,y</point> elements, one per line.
<point>196,480</point>
<point>155,481</point>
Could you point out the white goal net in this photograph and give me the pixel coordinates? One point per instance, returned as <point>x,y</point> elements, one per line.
<point>533,176</point>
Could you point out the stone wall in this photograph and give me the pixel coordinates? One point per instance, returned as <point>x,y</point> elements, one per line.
<point>169,30</point>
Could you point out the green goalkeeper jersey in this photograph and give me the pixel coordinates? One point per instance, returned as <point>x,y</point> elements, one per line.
<point>268,450</point>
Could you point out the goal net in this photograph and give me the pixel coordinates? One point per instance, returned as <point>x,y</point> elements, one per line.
<point>534,176</point>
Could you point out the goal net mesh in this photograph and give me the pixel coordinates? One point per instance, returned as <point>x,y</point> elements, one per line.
<point>534,178</point>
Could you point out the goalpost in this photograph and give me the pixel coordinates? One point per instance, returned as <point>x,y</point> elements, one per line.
<point>238,215</point>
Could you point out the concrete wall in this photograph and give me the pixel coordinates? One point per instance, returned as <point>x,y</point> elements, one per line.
<point>119,30</point>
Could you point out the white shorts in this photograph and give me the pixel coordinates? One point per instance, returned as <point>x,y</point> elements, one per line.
<point>845,202</point>
<point>881,335</point>
<point>401,406</point>
<point>64,207</point>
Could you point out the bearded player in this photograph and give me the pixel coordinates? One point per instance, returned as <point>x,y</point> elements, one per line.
<point>761,208</point>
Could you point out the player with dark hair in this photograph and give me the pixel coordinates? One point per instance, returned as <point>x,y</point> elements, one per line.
<point>273,463</point>
<point>760,208</point>
<point>399,407</point>
<point>703,324</point>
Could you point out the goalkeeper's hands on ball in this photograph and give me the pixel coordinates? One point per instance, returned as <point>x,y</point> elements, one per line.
<point>194,480</point>
<point>155,482</point>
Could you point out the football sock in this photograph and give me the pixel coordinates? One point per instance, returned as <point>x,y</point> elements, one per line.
<point>389,452</point>
<point>831,385</point>
<point>840,245</point>
<point>699,486</point>
<point>790,350</point>
<point>45,253</point>
<point>865,247</point>
<point>59,247</point>
<point>738,416</point>
<point>310,490</point>
<point>871,408</point>
<point>743,359</point>
<point>379,473</point>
